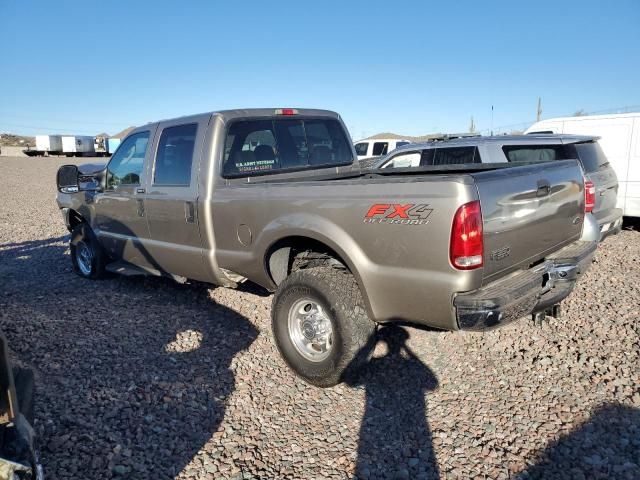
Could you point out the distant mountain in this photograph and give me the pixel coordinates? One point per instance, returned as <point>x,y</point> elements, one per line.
<point>123,133</point>
<point>11,140</point>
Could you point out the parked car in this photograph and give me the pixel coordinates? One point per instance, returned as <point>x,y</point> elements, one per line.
<point>620,140</point>
<point>525,149</point>
<point>374,148</point>
<point>272,196</point>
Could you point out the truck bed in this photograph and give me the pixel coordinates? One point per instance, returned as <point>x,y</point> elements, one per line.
<point>403,260</point>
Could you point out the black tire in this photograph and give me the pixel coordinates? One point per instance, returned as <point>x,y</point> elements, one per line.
<point>337,292</point>
<point>81,236</point>
<point>23,381</point>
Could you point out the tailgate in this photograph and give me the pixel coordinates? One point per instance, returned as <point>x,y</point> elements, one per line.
<point>529,212</point>
<point>606,184</point>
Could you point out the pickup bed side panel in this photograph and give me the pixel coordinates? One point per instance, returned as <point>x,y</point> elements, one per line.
<point>392,233</point>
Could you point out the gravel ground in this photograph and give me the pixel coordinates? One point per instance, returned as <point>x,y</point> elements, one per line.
<point>145,378</point>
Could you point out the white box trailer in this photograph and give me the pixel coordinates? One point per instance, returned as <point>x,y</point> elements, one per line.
<point>49,144</point>
<point>620,140</point>
<point>77,145</point>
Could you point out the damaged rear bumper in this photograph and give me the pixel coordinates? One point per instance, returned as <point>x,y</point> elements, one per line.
<point>526,292</point>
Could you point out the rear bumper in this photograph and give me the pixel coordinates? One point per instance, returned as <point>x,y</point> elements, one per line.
<point>525,292</point>
<point>611,224</point>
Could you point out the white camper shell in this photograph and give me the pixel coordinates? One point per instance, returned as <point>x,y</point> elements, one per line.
<point>620,140</point>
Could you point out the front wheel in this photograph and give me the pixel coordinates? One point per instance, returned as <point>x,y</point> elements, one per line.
<point>320,324</point>
<point>87,255</point>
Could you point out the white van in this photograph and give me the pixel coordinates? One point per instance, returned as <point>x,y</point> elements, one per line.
<point>619,138</point>
<point>377,147</point>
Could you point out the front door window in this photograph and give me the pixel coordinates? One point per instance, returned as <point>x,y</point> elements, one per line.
<point>125,167</point>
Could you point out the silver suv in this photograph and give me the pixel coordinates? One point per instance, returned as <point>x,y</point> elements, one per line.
<point>525,149</point>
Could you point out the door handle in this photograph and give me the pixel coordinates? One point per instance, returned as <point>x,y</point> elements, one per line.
<point>140,203</point>
<point>189,212</point>
<point>543,188</point>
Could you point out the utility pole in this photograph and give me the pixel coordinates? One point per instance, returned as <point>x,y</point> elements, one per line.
<point>492,120</point>
<point>539,112</point>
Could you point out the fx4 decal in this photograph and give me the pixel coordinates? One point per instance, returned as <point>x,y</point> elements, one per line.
<point>397,213</point>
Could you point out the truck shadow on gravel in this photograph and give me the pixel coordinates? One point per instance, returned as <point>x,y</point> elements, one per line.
<point>132,374</point>
<point>607,446</point>
<point>395,439</point>
<point>396,442</point>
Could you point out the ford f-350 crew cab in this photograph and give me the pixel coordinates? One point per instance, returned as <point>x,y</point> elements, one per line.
<point>273,196</point>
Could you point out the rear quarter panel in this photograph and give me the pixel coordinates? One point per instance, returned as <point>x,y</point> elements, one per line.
<point>403,269</point>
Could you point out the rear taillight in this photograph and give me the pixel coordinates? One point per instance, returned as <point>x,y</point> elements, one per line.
<point>467,246</point>
<point>589,196</point>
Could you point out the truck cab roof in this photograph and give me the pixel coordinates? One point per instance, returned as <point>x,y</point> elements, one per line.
<point>257,113</point>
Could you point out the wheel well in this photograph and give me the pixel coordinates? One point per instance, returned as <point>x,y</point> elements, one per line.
<point>75,219</point>
<point>296,253</point>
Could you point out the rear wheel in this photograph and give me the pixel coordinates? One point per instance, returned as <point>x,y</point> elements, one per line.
<point>320,324</point>
<point>87,255</point>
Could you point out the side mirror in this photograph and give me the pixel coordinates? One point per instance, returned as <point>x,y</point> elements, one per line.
<point>67,179</point>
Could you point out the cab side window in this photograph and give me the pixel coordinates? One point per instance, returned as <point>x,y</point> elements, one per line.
<point>456,156</point>
<point>125,167</point>
<point>404,160</point>
<point>361,148</point>
<point>380,148</point>
<point>175,155</point>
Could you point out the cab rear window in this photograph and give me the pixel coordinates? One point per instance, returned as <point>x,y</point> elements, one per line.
<point>258,147</point>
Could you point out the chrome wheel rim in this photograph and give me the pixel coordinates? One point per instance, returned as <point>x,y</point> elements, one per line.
<point>310,330</point>
<point>84,257</point>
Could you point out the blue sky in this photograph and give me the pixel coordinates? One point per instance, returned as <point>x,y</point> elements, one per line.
<point>406,67</point>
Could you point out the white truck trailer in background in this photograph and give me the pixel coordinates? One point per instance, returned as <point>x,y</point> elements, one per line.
<point>620,140</point>
<point>49,144</point>
<point>77,145</point>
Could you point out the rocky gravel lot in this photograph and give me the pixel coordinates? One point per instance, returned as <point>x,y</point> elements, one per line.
<point>148,379</point>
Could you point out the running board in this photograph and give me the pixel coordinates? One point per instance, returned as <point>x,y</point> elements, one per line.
<point>130,270</point>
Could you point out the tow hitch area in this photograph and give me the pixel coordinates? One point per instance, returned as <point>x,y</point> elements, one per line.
<point>539,317</point>
<point>18,454</point>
